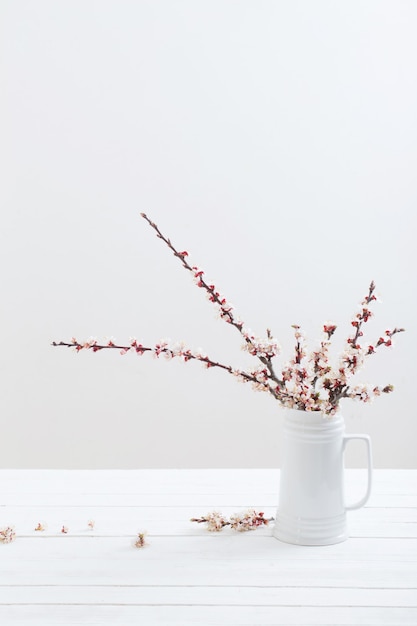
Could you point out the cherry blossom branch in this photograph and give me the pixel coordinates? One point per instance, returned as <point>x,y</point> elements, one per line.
<point>382,341</point>
<point>362,317</point>
<point>247,520</point>
<point>366,393</point>
<point>353,357</point>
<point>264,351</point>
<point>261,383</point>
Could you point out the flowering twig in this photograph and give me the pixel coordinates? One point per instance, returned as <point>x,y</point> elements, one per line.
<point>169,352</point>
<point>353,357</point>
<point>247,520</point>
<point>264,350</point>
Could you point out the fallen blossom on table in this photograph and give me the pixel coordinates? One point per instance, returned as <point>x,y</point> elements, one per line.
<point>241,522</point>
<point>140,541</point>
<point>7,534</point>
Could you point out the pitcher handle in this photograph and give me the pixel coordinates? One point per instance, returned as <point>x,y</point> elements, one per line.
<point>367,440</point>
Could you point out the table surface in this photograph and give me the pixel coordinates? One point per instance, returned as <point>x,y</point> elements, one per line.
<point>187,575</point>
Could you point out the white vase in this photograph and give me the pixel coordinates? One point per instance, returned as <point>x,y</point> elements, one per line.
<point>312,508</point>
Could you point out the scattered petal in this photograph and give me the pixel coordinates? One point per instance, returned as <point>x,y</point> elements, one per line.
<point>140,541</point>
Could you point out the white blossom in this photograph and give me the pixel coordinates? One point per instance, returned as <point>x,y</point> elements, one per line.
<point>7,534</point>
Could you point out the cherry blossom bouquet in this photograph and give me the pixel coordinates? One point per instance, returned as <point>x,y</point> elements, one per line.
<point>307,382</point>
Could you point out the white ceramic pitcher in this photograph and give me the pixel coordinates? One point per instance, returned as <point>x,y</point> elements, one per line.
<point>312,508</point>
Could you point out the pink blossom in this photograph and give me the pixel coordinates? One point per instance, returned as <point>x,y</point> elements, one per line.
<point>214,521</point>
<point>7,534</point>
<point>248,520</point>
<point>329,329</point>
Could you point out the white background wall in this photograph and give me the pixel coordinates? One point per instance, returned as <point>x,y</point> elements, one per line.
<point>275,141</point>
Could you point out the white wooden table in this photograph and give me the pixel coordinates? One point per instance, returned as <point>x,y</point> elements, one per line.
<point>187,575</point>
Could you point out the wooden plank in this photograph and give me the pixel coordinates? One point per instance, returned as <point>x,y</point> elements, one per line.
<point>233,547</point>
<point>404,531</point>
<point>132,567</point>
<point>207,616</point>
<point>172,595</point>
